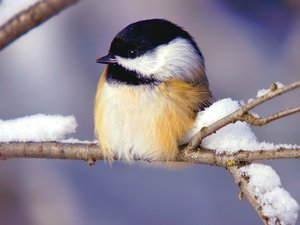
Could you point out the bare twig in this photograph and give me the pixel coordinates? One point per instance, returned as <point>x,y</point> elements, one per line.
<point>256,121</point>
<point>242,182</point>
<point>30,18</point>
<point>242,113</point>
<point>56,150</point>
<point>50,150</point>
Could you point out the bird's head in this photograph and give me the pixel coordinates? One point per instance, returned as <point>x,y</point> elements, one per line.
<point>154,50</point>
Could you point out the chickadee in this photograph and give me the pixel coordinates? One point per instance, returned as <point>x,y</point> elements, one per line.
<point>150,92</point>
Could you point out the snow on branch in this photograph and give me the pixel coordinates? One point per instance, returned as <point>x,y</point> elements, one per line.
<point>18,17</point>
<point>242,114</point>
<point>37,128</point>
<point>262,187</point>
<point>226,141</point>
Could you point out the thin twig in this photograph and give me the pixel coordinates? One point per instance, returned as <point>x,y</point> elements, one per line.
<point>239,114</point>
<point>30,18</point>
<point>256,121</point>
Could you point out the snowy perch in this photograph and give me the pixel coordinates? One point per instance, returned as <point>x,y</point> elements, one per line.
<point>77,150</point>
<point>262,187</point>
<point>37,128</point>
<point>233,146</point>
<point>242,114</point>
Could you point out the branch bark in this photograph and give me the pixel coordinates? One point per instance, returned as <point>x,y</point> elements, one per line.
<point>243,185</point>
<point>256,121</point>
<point>86,152</point>
<point>30,18</point>
<point>243,115</point>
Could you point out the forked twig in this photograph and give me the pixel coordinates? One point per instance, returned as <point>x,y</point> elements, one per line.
<point>242,114</point>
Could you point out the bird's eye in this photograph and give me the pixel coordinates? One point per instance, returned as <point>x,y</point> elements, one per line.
<point>132,54</point>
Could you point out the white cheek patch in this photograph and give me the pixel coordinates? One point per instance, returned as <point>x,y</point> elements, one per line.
<point>177,59</point>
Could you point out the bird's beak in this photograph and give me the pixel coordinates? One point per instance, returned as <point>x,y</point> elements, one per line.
<point>108,59</point>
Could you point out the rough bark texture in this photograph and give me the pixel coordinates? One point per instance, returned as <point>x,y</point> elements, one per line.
<point>57,150</point>
<point>242,182</point>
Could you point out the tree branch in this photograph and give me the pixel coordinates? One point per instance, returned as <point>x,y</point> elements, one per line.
<point>209,157</point>
<point>243,115</point>
<point>242,182</point>
<point>30,18</point>
<point>50,150</point>
<point>57,150</point>
<point>90,153</point>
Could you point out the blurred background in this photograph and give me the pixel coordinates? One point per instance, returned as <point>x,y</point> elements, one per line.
<point>247,46</point>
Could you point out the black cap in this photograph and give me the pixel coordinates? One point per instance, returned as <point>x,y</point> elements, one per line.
<point>142,36</point>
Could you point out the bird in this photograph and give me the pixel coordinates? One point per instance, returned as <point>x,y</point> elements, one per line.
<point>150,92</point>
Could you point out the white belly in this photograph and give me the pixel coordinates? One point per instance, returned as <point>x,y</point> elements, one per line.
<point>129,122</point>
